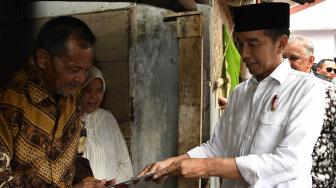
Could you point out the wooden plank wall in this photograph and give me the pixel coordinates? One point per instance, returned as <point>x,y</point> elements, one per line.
<point>111,29</point>
<point>189,32</point>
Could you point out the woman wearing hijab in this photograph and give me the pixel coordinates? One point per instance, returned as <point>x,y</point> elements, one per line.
<point>105,146</point>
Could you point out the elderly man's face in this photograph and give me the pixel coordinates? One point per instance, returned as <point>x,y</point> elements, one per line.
<point>297,56</point>
<point>259,52</point>
<point>328,69</point>
<point>66,74</point>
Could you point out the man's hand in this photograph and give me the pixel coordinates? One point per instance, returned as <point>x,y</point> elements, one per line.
<point>201,167</point>
<point>156,167</point>
<point>222,102</point>
<point>110,182</point>
<point>94,184</point>
<point>187,168</point>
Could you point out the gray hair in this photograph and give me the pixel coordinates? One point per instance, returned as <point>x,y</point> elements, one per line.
<point>306,43</point>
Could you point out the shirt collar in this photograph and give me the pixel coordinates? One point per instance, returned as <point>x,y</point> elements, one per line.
<point>32,81</point>
<point>279,74</point>
<point>37,93</point>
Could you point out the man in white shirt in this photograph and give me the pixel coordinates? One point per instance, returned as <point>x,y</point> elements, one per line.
<point>266,135</point>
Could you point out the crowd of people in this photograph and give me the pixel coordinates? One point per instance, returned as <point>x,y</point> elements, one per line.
<point>55,134</point>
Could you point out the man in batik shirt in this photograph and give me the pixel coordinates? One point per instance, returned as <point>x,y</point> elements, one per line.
<point>40,123</point>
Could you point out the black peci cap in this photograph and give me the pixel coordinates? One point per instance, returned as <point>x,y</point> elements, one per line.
<point>261,16</point>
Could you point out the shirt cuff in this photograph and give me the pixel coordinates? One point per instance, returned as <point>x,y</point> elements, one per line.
<point>197,153</point>
<point>247,170</point>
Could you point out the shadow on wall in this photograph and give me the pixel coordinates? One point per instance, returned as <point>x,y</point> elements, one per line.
<point>16,39</point>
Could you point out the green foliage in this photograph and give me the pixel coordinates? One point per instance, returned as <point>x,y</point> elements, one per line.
<point>231,64</point>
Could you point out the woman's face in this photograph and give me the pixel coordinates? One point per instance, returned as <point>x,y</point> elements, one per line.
<point>92,95</point>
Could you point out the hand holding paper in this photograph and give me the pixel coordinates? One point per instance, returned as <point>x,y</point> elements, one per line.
<point>159,166</point>
<point>146,177</point>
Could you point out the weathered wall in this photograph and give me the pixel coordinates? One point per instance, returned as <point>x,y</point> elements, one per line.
<point>154,86</point>
<point>207,35</point>
<point>219,16</point>
<point>217,50</point>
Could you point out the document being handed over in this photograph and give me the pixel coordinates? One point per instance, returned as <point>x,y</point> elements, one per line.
<point>146,177</point>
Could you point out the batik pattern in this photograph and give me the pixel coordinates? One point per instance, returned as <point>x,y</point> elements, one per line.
<point>39,135</point>
<point>323,170</point>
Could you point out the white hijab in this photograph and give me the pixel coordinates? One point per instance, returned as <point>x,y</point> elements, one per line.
<point>105,146</point>
<point>94,72</point>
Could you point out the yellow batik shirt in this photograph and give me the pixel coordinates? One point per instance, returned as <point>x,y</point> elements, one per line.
<point>38,136</point>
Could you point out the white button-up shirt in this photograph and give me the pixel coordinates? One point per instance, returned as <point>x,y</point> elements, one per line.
<point>270,128</point>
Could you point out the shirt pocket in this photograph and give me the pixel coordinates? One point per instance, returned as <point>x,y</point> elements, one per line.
<point>269,132</point>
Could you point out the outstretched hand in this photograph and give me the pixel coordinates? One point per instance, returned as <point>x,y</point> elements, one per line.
<point>110,182</point>
<point>158,166</point>
<point>187,168</point>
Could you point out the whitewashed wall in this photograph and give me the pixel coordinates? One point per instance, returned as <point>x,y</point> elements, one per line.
<point>318,23</point>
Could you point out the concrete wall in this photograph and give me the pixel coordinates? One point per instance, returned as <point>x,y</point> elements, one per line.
<point>154,85</point>
<point>317,22</point>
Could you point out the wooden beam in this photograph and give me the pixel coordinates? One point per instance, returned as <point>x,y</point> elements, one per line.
<point>189,26</point>
<point>174,15</point>
<point>189,33</point>
<point>173,5</point>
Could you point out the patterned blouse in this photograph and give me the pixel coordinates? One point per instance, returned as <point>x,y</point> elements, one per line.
<point>323,170</point>
<point>38,136</point>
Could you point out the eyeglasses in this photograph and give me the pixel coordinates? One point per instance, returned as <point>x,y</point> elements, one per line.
<point>330,69</point>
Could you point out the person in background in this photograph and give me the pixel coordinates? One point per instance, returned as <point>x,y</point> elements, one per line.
<point>300,52</point>
<point>105,146</point>
<point>270,125</point>
<point>327,67</point>
<point>334,79</point>
<point>39,118</point>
